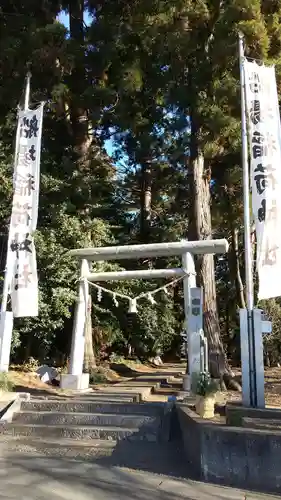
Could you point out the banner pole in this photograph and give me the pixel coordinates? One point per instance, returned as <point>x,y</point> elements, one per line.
<point>27,91</point>
<point>247,234</point>
<point>246,186</point>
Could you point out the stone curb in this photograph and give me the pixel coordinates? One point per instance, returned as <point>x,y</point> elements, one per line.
<point>14,405</point>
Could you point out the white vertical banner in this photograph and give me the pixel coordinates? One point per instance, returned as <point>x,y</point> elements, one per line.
<point>265,152</point>
<point>21,271</point>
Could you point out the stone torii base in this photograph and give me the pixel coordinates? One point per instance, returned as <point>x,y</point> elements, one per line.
<point>76,379</point>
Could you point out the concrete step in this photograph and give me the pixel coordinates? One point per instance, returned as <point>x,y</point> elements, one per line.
<point>137,383</point>
<point>145,380</point>
<point>81,432</point>
<point>83,406</point>
<point>166,391</point>
<point>114,395</point>
<point>66,448</point>
<point>261,423</point>
<point>139,391</point>
<point>128,396</point>
<point>99,419</point>
<point>111,396</point>
<point>113,392</point>
<point>165,458</point>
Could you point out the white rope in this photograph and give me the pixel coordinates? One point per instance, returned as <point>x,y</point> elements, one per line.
<point>111,292</point>
<point>153,292</point>
<point>141,295</point>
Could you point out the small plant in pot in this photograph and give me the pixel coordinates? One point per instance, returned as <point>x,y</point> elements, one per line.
<point>205,389</point>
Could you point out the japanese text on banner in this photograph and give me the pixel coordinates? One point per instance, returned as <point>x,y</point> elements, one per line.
<point>265,152</point>
<point>21,260</point>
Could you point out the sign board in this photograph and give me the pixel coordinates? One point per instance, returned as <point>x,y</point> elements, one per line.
<point>195,325</point>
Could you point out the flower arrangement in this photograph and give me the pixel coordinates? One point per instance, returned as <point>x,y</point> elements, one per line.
<point>203,385</point>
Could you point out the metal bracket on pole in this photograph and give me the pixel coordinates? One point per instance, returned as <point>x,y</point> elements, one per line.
<point>259,360</point>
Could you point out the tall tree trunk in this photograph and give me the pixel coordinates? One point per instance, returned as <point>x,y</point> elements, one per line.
<point>236,265</point>
<point>145,202</point>
<point>80,129</point>
<point>79,115</point>
<point>233,255</point>
<point>201,229</point>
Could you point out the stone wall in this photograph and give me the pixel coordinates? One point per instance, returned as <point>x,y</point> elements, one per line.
<point>235,413</point>
<point>233,456</point>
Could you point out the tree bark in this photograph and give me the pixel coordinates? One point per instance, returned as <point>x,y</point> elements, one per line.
<point>82,140</point>
<point>236,262</point>
<point>200,228</point>
<point>79,115</point>
<point>145,202</point>
<point>233,255</point>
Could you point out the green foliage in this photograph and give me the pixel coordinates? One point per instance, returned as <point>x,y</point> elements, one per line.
<point>97,377</point>
<point>137,73</point>
<point>58,275</point>
<point>6,384</point>
<point>117,358</point>
<point>31,365</point>
<point>204,385</point>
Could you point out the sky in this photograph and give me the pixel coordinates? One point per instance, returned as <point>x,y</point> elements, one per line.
<point>64,19</point>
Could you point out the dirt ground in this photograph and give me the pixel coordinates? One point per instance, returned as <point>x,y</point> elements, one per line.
<point>272,389</point>
<point>25,381</point>
<point>29,382</point>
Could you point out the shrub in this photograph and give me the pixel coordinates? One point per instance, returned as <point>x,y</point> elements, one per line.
<point>6,384</point>
<point>97,377</point>
<point>116,358</point>
<point>31,365</point>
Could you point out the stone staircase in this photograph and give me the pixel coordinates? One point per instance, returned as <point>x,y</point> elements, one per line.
<point>93,425</point>
<point>113,426</point>
<point>90,419</point>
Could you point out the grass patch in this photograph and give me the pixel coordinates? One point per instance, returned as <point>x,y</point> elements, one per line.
<point>6,384</point>
<point>97,377</point>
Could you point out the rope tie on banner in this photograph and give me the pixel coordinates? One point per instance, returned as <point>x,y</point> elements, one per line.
<point>133,300</point>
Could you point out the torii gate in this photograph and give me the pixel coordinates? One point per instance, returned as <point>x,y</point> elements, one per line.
<point>78,380</point>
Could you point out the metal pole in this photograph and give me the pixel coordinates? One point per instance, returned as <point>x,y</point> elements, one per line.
<point>5,293</point>
<point>27,91</point>
<point>246,185</point>
<point>247,225</point>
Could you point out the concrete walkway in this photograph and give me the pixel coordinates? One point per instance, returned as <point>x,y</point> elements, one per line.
<point>23,477</point>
